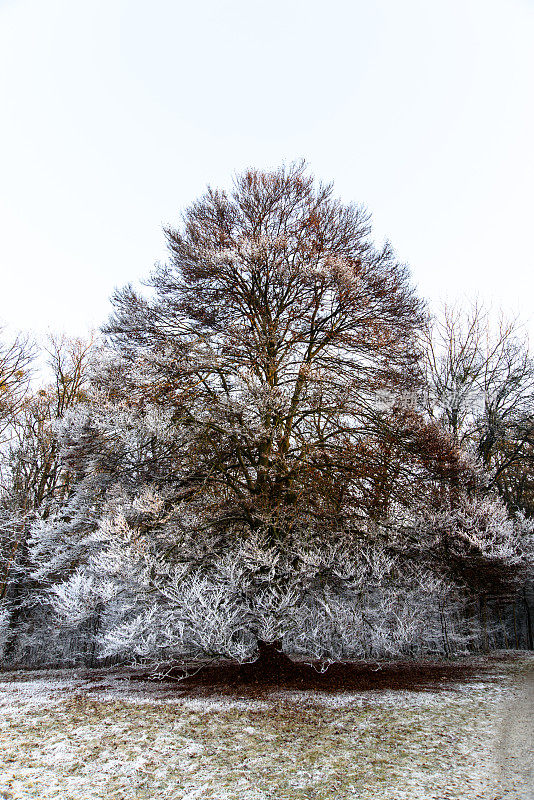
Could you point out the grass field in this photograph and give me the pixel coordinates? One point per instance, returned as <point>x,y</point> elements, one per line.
<point>77,736</point>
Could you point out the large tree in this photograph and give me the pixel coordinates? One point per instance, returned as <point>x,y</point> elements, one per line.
<point>253,459</point>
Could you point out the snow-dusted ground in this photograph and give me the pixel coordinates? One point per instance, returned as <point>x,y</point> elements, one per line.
<point>68,736</point>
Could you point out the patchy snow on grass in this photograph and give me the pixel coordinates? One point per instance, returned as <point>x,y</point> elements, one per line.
<point>71,737</point>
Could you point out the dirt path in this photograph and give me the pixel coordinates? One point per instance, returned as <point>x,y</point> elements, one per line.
<point>514,743</point>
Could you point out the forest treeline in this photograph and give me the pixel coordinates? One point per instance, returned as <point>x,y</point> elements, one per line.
<point>277,443</point>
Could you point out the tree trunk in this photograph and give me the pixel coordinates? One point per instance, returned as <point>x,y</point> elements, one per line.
<point>484,622</point>
<point>530,641</point>
<point>271,666</point>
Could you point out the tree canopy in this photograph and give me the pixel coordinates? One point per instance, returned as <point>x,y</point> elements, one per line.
<point>283,343</point>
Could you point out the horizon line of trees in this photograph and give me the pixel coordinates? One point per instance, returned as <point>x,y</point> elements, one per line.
<point>278,445</point>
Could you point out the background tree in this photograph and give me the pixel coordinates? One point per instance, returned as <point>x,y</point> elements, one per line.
<point>480,384</point>
<point>37,478</point>
<point>16,358</point>
<point>34,480</point>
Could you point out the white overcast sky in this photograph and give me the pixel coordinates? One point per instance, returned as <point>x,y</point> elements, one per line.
<point>117,113</point>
